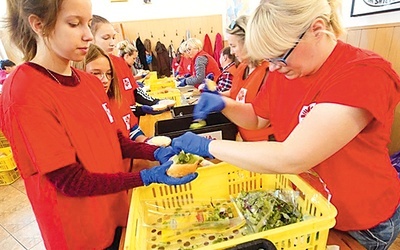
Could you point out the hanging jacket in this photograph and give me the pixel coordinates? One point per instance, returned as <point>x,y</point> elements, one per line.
<point>207,46</point>
<point>164,66</point>
<point>142,53</point>
<point>218,46</point>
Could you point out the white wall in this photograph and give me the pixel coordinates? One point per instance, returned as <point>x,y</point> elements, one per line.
<point>137,10</point>
<point>388,17</point>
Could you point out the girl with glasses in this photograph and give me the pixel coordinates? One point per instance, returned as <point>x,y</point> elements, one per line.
<point>63,134</point>
<point>331,106</point>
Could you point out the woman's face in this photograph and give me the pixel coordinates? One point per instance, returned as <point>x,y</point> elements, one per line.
<point>105,37</point>
<point>72,25</point>
<point>100,67</point>
<point>130,59</point>
<point>191,52</point>
<point>237,47</point>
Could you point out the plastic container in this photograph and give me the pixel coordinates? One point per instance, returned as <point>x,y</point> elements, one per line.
<point>8,177</point>
<point>218,127</point>
<point>259,244</point>
<point>6,159</point>
<point>162,83</point>
<point>3,141</point>
<point>173,94</point>
<point>182,111</point>
<point>222,181</point>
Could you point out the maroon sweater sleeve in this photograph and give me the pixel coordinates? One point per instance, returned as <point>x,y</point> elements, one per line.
<point>75,181</point>
<point>136,150</point>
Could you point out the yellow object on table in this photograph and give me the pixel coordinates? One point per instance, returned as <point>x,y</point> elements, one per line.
<point>222,181</point>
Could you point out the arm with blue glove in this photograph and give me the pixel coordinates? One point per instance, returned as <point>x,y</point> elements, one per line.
<point>192,143</point>
<point>208,103</point>
<point>159,175</point>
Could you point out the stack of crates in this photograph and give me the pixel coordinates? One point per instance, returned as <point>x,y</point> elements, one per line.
<point>8,169</point>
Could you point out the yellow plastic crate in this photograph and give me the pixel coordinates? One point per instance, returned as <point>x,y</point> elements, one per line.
<point>221,181</point>
<point>3,141</point>
<point>8,177</point>
<point>6,162</point>
<point>163,83</point>
<point>169,93</point>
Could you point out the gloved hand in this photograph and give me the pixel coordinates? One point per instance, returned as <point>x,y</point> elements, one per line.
<point>208,103</point>
<point>210,76</point>
<point>192,143</point>
<point>159,175</point>
<point>182,83</point>
<point>186,75</point>
<point>176,74</point>
<point>149,110</point>
<point>164,154</point>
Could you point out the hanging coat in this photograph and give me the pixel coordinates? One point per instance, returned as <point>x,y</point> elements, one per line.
<point>219,45</point>
<point>207,46</point>
<point>142,53</point>
<point>164,66</point>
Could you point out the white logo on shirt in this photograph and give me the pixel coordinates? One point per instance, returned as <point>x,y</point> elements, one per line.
<point>127,83</point>
<point>241,96</point>
<point>305,110</point>
<point>108,112</point>
<point>127,119</point>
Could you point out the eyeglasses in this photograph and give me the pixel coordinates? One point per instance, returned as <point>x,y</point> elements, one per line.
<point>234,24</point>
<point>101,75</point>
<point>281,61</point>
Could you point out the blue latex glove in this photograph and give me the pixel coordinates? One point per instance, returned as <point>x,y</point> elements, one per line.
<point>159,175</point>
<point>149,110</point>
<point>208,103</point>
<point>164,154</point>
<point>192,143</point>
<point>176,74</point>
<point>210,76</point>
<point>182,83</point>
<point>186,75</point>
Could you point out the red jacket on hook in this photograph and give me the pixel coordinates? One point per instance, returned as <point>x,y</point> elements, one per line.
<point>207,46</point>
<point>218,46</point>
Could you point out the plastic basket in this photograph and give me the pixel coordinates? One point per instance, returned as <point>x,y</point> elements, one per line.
<point>162,83</point>
<point>6,161</point>
<point>222,181</point>
<point>8,177</point>
<point>3,141</point>
<point>173,94</point>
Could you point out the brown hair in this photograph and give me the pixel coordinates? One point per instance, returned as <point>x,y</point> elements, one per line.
<point>18,26</point>
<point>96,20</point>
<point>227,52</point>
<point>95,52</point>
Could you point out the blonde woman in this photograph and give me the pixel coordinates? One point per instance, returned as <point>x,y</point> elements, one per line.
<point>129,53</point>
<point>321,122</point>
<point>202,64</point>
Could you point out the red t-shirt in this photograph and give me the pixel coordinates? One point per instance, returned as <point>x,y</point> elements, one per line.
<point>126,80</point>
<point>245,90</point>
<point>51,126</point>
<point>364,185</point>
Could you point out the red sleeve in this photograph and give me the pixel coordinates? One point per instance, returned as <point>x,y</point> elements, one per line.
<point>75,181</point>
<point>136,150</point>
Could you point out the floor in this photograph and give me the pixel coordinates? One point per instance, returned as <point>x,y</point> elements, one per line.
<point>18,227</point>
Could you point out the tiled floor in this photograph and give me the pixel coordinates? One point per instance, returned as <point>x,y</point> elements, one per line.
<point>18,227</point>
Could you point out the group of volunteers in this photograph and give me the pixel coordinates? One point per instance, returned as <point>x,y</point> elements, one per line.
<point>295,97</point>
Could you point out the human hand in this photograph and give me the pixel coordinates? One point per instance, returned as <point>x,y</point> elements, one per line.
<point>186,75</point>
<point>164,154</point>
<point>149,110</point>
<point>158,174</point>
<point>208,103</point>
<point>182,83</point>
<point>210,76</point>
<point>191,143</point>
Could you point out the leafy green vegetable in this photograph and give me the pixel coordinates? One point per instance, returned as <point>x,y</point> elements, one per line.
<point>186,158</point>
<point>264,210</point>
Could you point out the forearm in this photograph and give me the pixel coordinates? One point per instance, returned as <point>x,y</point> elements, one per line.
<point>242,114</point>
<point>75,181</point>
<point>136,150</point>
<point>200,71</point>
<point>143,98</point>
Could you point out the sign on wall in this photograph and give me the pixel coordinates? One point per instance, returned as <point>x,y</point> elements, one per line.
<point>368,7</point>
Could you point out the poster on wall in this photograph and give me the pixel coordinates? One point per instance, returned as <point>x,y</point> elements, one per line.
<point>368,7</point>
